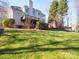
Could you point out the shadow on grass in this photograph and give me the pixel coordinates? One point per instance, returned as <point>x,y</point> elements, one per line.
<point>12,39</point>
<point>37,48</point>
<point>33,49</point>
<point>8,41</point>
<point>21,31</point>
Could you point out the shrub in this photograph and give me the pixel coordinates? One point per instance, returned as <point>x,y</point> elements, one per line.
<point>37,24</point>
<point>41,25</point>
<point>11,23</point>
<point>19,26</point>
<point>8,22</point>
<point>5,22</point>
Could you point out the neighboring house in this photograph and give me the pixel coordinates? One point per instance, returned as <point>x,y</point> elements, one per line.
<point>3,9</point>
<point>3,12</point>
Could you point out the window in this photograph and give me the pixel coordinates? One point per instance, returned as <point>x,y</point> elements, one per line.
<point>33,11</point>
<point>38,13</point>
<point>27,10</point>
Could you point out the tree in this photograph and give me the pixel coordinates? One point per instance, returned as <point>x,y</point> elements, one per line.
<point>5,22</point>
<point>77,26</point>
<point>58,10</point>
<point>62,10</point>
<point>53,12</point>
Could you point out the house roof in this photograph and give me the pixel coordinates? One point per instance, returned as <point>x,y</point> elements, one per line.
<point>16,8</point>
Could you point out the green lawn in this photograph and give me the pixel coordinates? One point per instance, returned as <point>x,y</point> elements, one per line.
<point>39,45</point>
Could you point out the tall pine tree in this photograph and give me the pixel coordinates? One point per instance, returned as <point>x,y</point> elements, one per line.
<point>62,10</point>
<point>53,13</point>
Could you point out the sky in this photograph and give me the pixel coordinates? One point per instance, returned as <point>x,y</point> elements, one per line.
<point>72,12</point>
<point>44,6</point>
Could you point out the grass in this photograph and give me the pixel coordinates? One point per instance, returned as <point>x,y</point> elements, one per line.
<point>39,45</point>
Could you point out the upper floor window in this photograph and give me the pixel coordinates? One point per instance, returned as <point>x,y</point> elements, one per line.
<point>33,12</point>
<point>38,13</point>
<point>27,10</point>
